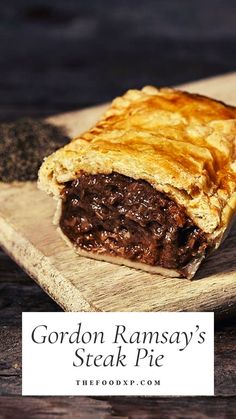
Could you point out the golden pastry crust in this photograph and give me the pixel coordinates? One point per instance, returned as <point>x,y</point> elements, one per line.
<point>182,144</point>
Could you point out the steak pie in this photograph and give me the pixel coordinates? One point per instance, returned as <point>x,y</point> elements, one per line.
<point>152,185</point>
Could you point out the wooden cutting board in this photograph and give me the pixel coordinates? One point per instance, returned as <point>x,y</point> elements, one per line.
<point>77,283</point>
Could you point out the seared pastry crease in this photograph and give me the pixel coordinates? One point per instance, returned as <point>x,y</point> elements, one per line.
<point>180,144</point>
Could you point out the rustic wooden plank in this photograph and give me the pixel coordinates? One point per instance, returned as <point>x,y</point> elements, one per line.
<point>117,407</point>
<point>182,407</point>
<point>54,407</point>
<point>70,280</point>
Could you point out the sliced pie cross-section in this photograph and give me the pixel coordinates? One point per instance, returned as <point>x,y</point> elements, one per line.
<point>152,185</point>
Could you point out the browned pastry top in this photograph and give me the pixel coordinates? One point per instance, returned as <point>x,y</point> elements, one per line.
<point>182,144</point>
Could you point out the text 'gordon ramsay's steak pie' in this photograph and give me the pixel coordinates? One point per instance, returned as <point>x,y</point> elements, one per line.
<point>152,185</point>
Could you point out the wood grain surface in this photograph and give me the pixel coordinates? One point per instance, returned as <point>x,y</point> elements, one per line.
<point>117,407</point>
<point>78,283</point>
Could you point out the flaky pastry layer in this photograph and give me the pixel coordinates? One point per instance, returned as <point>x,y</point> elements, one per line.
<point>182,144</point>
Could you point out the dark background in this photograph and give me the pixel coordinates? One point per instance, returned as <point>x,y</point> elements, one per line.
<point>60,55</point>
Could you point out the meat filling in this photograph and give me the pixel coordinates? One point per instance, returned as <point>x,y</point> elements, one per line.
<point>119,216</point>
